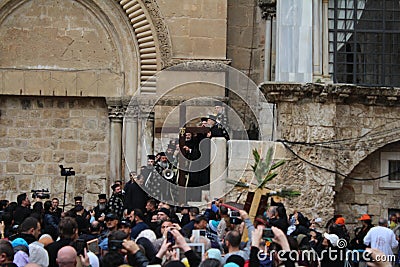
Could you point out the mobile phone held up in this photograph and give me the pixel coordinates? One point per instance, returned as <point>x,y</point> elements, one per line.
<point>267,234</point>
<point>170,238</point>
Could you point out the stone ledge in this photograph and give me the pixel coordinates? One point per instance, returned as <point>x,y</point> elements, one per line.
<point>334,93</point>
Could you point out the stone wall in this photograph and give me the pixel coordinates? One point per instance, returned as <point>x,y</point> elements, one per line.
<point>333,132</point>
<point>37,134</point>
<point>197,27</point>
<point>367,196</point>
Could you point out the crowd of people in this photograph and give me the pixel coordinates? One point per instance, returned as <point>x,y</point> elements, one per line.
<point>111,234</point>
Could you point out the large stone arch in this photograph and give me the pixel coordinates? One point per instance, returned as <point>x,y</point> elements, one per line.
<point>367,144</point>
<point>152,37</point>
<point>137,39</point>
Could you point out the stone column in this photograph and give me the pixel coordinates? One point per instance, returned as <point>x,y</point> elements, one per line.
<point>146,134</point>
<point>317,39</point>
<point>325,40</point>
<point>116,114</point>
<point>218,167</point>
<point>131,140</point>
<point>294,36</point>
<point>268,10</point>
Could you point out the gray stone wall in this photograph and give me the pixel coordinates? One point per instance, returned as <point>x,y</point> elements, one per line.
<point>37,134</point>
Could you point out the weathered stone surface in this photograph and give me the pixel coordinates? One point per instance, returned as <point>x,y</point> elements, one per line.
<point>31,156</point>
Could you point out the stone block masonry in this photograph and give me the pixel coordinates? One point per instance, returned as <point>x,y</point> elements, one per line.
<point>37,134</point>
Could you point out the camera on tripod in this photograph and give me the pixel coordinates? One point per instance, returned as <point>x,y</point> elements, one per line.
<point>41,193</point>
<point>66,171</point>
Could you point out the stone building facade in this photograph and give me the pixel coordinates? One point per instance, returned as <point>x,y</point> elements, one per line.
<point>80,86</point>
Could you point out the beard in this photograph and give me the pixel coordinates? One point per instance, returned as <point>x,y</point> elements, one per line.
<point>163,164</point>
<point>102,207</point>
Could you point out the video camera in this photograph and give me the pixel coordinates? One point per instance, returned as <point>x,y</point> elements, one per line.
<point>67,171</point>
<point>41,193</point>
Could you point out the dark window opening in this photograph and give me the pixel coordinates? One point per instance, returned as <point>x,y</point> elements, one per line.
<point>364,42</point>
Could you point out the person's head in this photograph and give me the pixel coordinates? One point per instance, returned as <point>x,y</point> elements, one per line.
<point>151,159</point>
<point>211,122</point>
<point>68,228</point>
<point>164,226</point>
<point>3,204</point>
<point>151,205</point>
<point>38,207</point>
<point>116,189</point>
<point>193,212</point>
<point>383,222</point>
<point>200,223</point>
<point>210,263</point>
<point>111,221</point>
<point>114,240</point>
<point>23,200</point>
<point>6,252</point>
<point>55,202</point>
<point>236,259</point>
<point>66,257</point>
<point>47,206</point>
<point>138,215</point>
<point>112,259</point>
<point>163,214</point>
<point>163,158</point>
<point>78,200</point>
<point>125,226</point>
<point>272,212</point>
<point>203,122</point>
<point>188,136</point>
<point>232,239</point>
<point>31,226</point>
<point>95,227</point>
<point>218,107</point>
<point>140,179</point>
<point>102,202</point>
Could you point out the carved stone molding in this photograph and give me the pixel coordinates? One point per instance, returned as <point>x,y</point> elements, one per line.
<point>268,8</point>
<point>334,93</point>
<point>183,64</point>
<point>162,31</point>
<point>116,110</point>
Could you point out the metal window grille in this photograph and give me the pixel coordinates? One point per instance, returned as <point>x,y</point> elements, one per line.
<point>364,39</point>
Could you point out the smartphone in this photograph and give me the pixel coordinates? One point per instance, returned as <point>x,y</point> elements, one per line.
<point>115,245</point>
<point>267,234</point>
<point>170,238</point>
<point>235,213</point>
<point>80,244</point>
<point>202,232</point>
<point>235,220</point>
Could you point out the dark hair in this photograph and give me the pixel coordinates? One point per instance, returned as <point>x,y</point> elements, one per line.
<point>116,235</point>
<point>112,259</point>
<point>6,247</point>
<point>20,198</point>
<point>210,263</point>
<point>239,260</point>
<point>3,204</point>
<point>152,202</point>
<point>28,223</point>
<point>47,205</point>
<point>67,227</point>
<point>199,219</point>
<point>139,213</point>
<point>194,211</point>
<point>37,207</point>
<point>223,210</point>
<point>233,237</point>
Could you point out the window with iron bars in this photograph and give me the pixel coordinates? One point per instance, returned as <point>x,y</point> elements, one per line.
<point>364,41</point>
